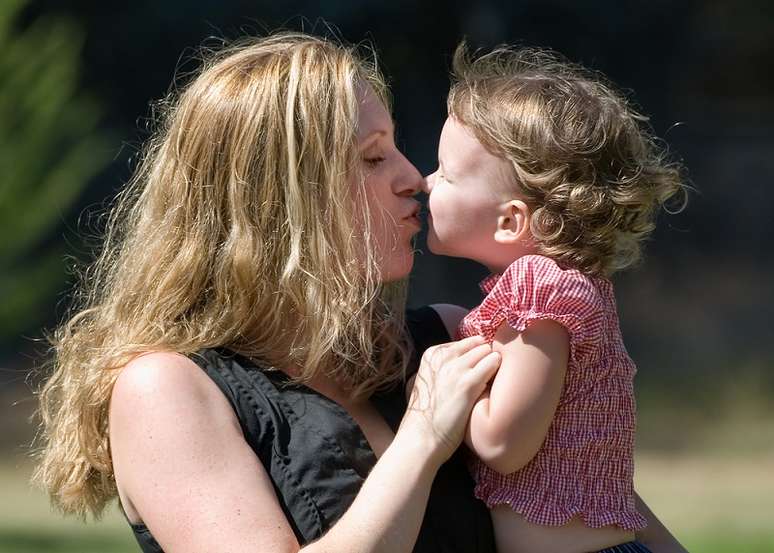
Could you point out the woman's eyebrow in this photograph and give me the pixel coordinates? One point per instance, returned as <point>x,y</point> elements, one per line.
<point>371,137</point>
<point>375,135</point>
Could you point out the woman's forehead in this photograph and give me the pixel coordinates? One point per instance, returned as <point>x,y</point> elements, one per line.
<point>373,117</point>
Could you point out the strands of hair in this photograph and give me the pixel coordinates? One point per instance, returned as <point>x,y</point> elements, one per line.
<point>237,231</point>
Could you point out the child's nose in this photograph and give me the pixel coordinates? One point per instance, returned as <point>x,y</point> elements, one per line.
<point>427,183</point>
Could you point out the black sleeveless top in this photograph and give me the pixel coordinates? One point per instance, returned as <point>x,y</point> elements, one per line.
<point>317,457</point>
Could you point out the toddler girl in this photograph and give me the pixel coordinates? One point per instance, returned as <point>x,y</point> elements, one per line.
<point>550,179</point>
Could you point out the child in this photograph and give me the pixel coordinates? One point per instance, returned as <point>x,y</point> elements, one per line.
<point>549,178</point>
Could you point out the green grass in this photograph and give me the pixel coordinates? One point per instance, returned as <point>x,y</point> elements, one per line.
<point>717,503</point>
<point>706,468</point>
<point>712,503</point>
<point>30,540</point>
<point>29,525</point>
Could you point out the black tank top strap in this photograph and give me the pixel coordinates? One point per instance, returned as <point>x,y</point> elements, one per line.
<point>427,329</point>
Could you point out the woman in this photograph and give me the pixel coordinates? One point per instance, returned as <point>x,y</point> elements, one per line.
<point>234,375</point>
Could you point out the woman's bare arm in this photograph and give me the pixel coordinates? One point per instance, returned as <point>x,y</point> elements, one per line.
<point>656,536</point>
<point>182,462</point>
<point>181,459</point>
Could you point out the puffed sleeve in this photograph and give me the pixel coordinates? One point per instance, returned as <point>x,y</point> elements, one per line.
<point>535,288</point>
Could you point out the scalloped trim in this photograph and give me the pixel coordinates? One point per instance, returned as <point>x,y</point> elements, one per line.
<point>539,513</point>
<point>520,320</point>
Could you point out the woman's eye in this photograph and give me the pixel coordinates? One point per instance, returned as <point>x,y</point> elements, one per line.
<point>373,161</point>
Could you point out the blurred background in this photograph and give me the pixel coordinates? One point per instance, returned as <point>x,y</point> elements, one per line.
<point>76,82</point>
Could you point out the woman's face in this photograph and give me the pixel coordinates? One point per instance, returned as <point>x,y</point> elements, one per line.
<point>391,182</point>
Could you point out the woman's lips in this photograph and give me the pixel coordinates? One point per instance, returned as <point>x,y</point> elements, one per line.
<point>414,220</point>
<point>413,217</point>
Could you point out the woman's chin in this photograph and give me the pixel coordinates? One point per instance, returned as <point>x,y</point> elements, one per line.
<point>399,267</point>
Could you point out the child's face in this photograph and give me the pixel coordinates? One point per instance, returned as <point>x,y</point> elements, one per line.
<point>466,197</point>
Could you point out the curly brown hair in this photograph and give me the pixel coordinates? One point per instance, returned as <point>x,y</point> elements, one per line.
<point>585,162</point>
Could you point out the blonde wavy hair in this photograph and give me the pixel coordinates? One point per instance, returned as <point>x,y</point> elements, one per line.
<point>584,161</point>
<point>237,230</point>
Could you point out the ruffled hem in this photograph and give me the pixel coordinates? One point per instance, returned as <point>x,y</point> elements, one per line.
<point>520,320</point>
<point>535,288</point>
<point>554,515</point>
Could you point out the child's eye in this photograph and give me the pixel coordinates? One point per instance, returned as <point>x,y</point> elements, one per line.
<point>373,161</point>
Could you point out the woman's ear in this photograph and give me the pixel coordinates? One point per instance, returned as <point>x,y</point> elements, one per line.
<point>513,223</point>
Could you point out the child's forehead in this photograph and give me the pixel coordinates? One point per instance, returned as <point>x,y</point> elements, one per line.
<point>461,152</point>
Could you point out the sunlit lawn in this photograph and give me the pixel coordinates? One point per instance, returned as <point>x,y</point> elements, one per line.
<point>708,475</point>
<point>28,525</point>
<point>714,504</point>
<point>721,504</point>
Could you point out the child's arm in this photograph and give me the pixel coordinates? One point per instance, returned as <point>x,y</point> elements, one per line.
<point>510,422</point>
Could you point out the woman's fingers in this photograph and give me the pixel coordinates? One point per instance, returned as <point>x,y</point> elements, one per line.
<point>473,356</point>
<point>443,353</point>
<point>486,368</point>
<point>463,346</point>
<point>450,378</point>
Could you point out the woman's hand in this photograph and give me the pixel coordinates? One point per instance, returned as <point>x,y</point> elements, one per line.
<point>450,379</point>
<point>181,459</point>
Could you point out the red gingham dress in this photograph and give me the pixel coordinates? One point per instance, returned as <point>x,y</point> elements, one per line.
<point>585,466</point>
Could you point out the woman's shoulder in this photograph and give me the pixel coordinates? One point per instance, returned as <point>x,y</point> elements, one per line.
<point>165,394</point>
<point>156,390</point>
<point>450,315</point>
<point>175,439</point>
<point>430,325</point>
<point>161,375</point>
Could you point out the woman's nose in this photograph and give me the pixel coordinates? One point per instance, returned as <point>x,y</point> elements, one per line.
<point>411,182</point>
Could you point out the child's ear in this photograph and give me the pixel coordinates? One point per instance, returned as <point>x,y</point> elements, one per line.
<point>512,223</point>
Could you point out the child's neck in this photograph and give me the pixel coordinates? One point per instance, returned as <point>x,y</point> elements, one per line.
<point>508,258</point>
